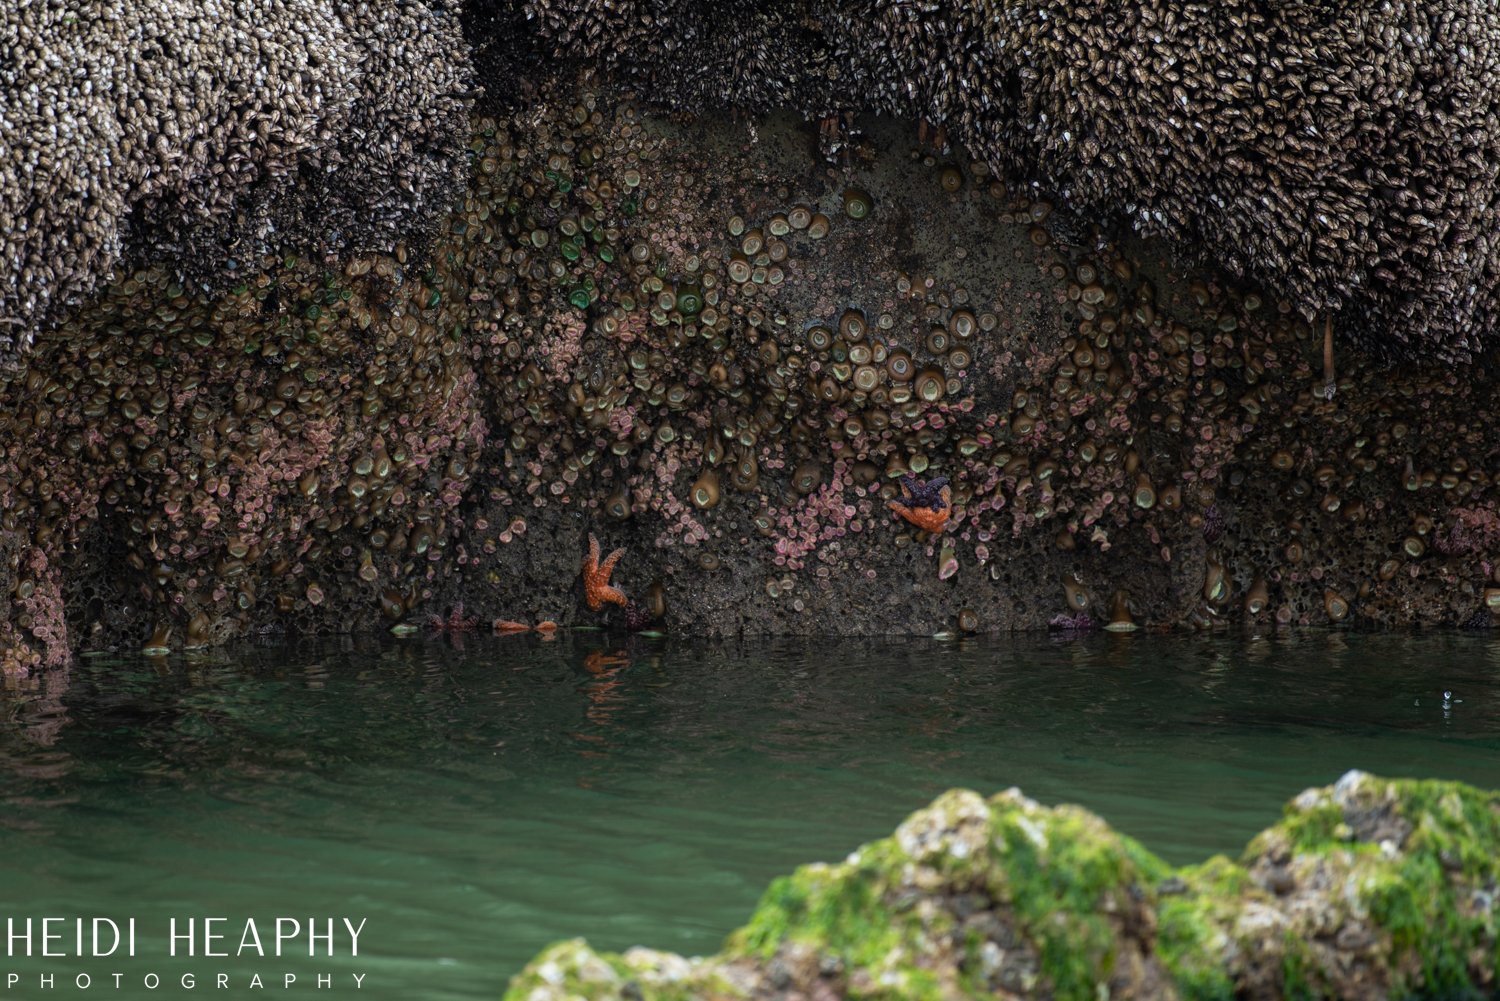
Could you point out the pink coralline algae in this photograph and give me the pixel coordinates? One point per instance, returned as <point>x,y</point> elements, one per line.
<point>1080,623</point>
<point>823,516</point>
<point>561,343</point>
<point>41,605</point>
<point>1473,531</point>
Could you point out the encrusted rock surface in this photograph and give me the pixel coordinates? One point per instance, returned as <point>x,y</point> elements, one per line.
<point>273,401</point>
<point>1343,155</point>
<point>703,344</point>
<point>200,134</point>
<point>1369,888</point>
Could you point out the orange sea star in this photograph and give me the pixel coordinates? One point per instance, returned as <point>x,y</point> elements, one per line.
<point>597,591</point>
<point>928,518</point>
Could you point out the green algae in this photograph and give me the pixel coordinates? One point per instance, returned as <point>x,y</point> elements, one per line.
<point>861,913</point>
<point>1416,859</point>
<point>1315,830</point>
<point>1455,830</point>
<point>573,971</point>
<point>840,910</point>
<point>1192,923</point>
<point>1409,865</point>
<point>1066,877</point>
<point>1301,978</point>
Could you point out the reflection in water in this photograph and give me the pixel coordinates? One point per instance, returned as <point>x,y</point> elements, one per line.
<point>478,796</point>
<point>603,695</point>
<point>32,706</point>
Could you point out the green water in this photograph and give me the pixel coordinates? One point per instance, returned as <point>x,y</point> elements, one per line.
<point>473,801</point>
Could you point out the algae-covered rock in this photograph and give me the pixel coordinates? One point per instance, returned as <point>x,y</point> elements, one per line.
<point>1369,888</point>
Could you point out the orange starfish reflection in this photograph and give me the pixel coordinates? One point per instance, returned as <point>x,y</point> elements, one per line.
<point>599,662</point>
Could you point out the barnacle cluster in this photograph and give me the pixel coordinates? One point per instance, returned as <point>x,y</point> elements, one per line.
<point>695,339</point>
<point>690,55</point>
<point>202,133</point>
<point>1344,156</point>
<point>188,468</point>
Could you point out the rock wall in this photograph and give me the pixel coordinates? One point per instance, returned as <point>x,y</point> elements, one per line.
<point>1368,888</point>
<point>199,134</point>
<point>699,342</point>
<point>1344,156</point>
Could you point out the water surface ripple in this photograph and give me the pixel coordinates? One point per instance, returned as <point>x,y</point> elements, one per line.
<point>475,799</point>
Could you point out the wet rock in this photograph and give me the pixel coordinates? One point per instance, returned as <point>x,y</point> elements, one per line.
<point>973,898</point>
<point>1345,185</point>
<point>592,348</point>
<point>203,135</point>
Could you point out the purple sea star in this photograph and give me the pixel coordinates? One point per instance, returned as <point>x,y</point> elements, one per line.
<point>928,495</point>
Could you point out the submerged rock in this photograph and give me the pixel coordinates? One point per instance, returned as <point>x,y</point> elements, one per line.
<point>1368,888</point>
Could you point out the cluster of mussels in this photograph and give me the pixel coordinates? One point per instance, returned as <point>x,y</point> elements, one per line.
<point>758,56</point>
<point>197,132</point>
<point>1344,156</point>
<point>708,349</point>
